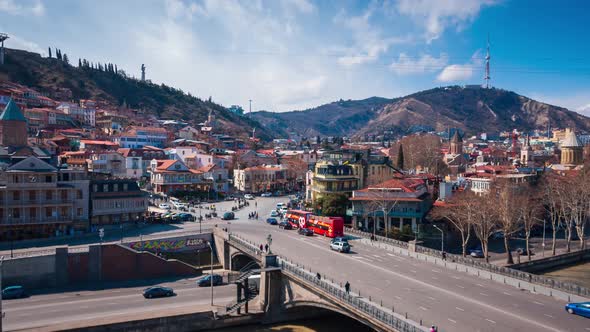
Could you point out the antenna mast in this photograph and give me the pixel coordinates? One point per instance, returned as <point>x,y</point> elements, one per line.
<point>3,37</point>
<point>487,76</point>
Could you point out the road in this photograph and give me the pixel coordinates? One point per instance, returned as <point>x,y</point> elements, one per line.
<point>452,300</point>
<point>45,310</point>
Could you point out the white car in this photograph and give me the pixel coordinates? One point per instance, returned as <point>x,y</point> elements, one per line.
<point>248,196</point>
<point>266,195</point>
<point>179,205</point>
<point>164,206</point>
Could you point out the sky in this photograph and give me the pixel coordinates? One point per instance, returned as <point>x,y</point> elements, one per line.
<point>289,55</point>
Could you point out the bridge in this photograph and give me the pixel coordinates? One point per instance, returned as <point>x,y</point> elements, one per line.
<point>286,286</point>
<point>397,286</point>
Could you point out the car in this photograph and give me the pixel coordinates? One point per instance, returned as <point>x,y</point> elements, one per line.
<point>13,292</point>
<point>274,213</point>
<point>266,195</point>
<point>340,246</point>
<point>340,239</point>
<point>581,308</point>
<point>248,196</point>
<point>157,291</point>
<point>305,231</point>
<point>285,225</point>
<point>206,280</point>
<point>477,253</point>
<point>523,252</point>
<point>228,216</point>
<point>272,221</point>
<point>164,206</point>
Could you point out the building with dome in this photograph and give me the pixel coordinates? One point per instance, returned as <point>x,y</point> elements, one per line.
<point>572,150</point>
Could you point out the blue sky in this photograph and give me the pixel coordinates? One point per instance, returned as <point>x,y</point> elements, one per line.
<point>293,54</point>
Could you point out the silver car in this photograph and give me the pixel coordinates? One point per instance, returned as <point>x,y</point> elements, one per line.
<point>340,246</point>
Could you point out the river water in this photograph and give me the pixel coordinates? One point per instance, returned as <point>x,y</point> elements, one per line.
<point>579,274</point>
<point>332,323</point>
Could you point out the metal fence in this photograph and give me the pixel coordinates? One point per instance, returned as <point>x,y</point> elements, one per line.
<point>383,239</point>
<point>468,261</point>
<point>245,245</point>
<point>383,315</point>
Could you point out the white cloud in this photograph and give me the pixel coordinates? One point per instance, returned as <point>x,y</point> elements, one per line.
<point>368,42</point>
<point>426,63</point>
<point>584,110</point>
<point>436,16</point>
<point>19,43</point>
<point>24,8</point>
<point>304,6</point>
<point>461,72</point>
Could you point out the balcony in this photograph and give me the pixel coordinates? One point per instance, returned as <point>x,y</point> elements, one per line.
<point>34,221</point>
<point>321,189</point>
<point>28,202</point>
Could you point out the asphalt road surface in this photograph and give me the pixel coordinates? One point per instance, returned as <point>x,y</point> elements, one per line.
<point>452,300</point>
<point>46,310</point>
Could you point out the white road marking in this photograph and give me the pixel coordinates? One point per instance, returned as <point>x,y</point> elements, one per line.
<point>392,255</point>
<point>398,297</point>
<point>413,271</point>
<point>460,309</point>
<point>452,321</point>
<point>434,270</point>
<point>455,277</point>
<point>539,303</point>
<point>548,315</point>
<point>421,307</point>
<point>491,321</point>
<point>461,286</point>
<point>435,278</point>
<point>378,256</point>
<point>507,294</point>
<point>432,298</point>
<point>484,294</point>
<point>480,285</point>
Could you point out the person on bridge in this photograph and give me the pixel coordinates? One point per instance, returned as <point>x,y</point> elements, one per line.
<point>319,276</point>
<point>347,287</point>
<point>266,248</point>
<point>433,329</point>
<point>261,248</point>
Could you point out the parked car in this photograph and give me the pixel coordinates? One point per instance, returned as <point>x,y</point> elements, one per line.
<point>164,206</point>
<point>477,253</point>
<point>523,252</point>
<point>285,225</point>
<point>248,196</point>
<point>157,291</point>
<point>305,231</point>
<point>228,216</point>
<point>13,292</point>
<point>274,213</point>
<point>272,221</point>
<point>340,246</point>
<point>206,280</point>
<point>581,308</point>
<point>266,195</point>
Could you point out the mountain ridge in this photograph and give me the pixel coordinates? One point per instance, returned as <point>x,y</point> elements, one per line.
<point>472,109</point>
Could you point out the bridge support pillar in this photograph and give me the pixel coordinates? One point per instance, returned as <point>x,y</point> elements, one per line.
<point>271,284</point>
<point>239,295</point>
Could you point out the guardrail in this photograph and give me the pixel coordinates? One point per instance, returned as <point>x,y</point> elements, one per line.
<point>383,239</point>
<point>383,315</point>
<point>245,245</point>
<point>468,261</point>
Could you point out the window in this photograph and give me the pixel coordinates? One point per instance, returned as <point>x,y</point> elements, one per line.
<point>48,212</point>
<point>64,195</point>
<point>105,188</point>
<point>16,179</point>
<point>49,195</point>
<point>80,212</point>
<point>48,178</point>
<point>95,188</point>
<point>125,186</point>
<point>116,187</point>
<point>16,213</point>
<point>79,194</point>
<point>16,195</point>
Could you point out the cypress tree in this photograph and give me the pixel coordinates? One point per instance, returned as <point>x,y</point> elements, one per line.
<point>400,157</point>
<point>65,59</point>
<point>50,52</point>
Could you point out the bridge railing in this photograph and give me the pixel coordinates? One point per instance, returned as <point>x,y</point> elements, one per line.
<point>385,316</point>
<point>383,239</point>
<point>247,246</point>
<point>567,287</point>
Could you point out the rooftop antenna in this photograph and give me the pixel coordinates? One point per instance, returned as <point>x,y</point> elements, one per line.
<point>143,72</point>
<point>487,76</point>
<point>3,37</point>
<point>250,112</point>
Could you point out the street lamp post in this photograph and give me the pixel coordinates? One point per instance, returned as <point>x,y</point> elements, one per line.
<point>1,272</point>
<point>211,276</point>
<point>442,238</point>
<point>543,244</point>
<point>200,218</point>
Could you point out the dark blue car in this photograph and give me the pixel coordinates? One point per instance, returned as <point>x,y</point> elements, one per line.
<point>157,291</point>
<point>272,221</point>
<point>582,308</point>
<point>206,281</point>
<point>13,292</point>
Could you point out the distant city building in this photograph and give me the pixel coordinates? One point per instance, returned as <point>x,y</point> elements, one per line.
<point>116,201</point>
<point>260,179</point>
<point>572,150</point>
<point>138,137</point>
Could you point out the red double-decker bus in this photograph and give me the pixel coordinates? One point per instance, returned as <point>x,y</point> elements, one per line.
<point>326,226</point>
<point>297,218</point>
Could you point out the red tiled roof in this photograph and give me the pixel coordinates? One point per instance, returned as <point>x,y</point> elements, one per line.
<point>96,142</point>
<point>164,164</point>
<point>407,185</point>
<point>207,168</point>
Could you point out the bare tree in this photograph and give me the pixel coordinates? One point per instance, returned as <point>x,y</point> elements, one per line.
<point>551,202</point>
<point>384,201</point>
<point>529,208</point>
<point>579,205</point>
<point>484,221</point>
<point>504,197</point>
<point>459,211</point>
<point>564,194</point>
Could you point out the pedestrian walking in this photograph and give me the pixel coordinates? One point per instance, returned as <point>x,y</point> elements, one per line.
<point>319,276</point>
<point>266,248</point>
<point>261,247</point>
<point>347,287</point>
<point>433,329</point>
<point>444,256</point>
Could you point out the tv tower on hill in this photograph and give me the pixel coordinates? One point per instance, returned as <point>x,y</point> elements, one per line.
<point>487,76</point>
<point>3,37</point>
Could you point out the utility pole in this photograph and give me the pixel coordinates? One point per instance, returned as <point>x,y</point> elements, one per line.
<point>1,312</point>
<point>211,275</point>
<point>442,239</point>
<point>250,111</point>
